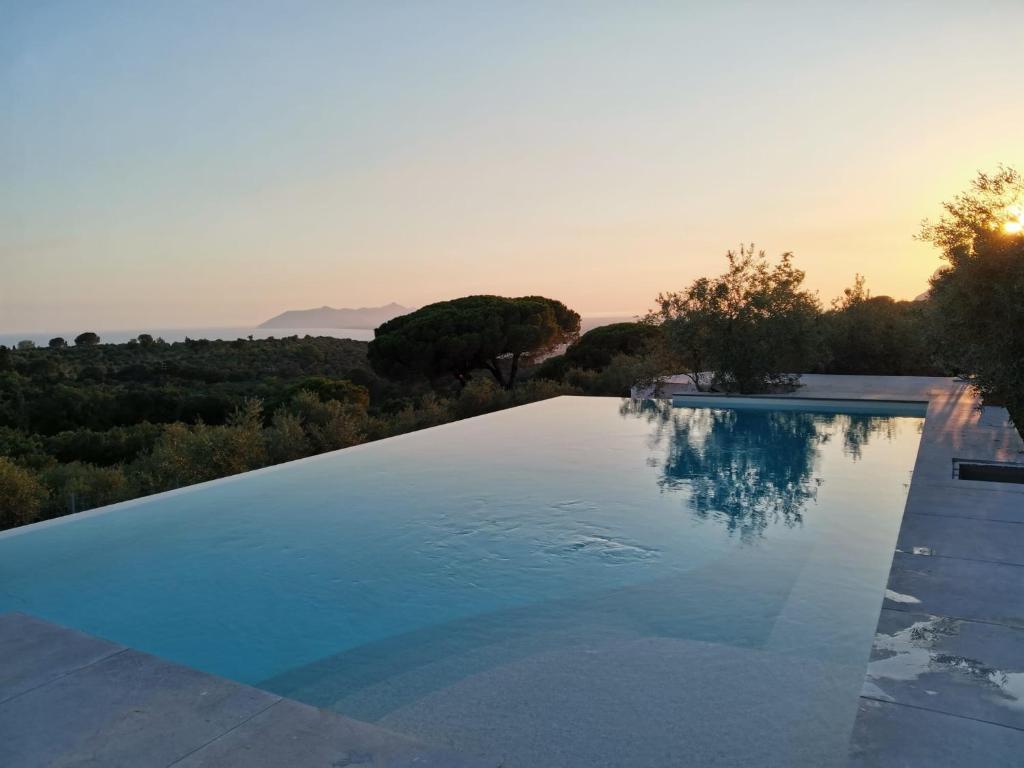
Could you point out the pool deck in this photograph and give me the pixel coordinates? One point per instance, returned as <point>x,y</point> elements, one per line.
<point>945,682</point>
<point>71,699</point>
<point>944,685</point>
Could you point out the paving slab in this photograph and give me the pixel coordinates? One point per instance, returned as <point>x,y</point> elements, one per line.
<point>102,705</point>
<point>895,736</point>
<point>960,537</point>
<point>964,668</point>
<point>954,499</point>
<point>35,652</point>
<point>130,709</point>
<point>294,734</point>
<point>965,589</point>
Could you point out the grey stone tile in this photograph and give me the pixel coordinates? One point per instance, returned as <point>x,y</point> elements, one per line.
<point>965,589</point>
<point>294,734</point>
<point>954,499</point>
<point>130,709</point>
<point>958,667</point>
<point>34,652</point>
<point>894,736</point>
<point>961,537</point>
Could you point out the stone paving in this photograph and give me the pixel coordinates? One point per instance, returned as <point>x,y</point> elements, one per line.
<point>70,699</point>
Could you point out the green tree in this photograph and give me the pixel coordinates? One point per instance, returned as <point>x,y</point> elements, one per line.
<point>75,487</point>
<point>87,339</point>
<point>26,344</point>
<point>184,455</point>
<point>57,342</point>
<point>978,295</point>
<point>22,496</point>
<point>878,335</point>
<point>754,327</point>
<point>329,425</point>
<point>342,390</point>
<point>286,438</point>
<point>595,349</point>
<point>456,338</point>
<point>145,340</point>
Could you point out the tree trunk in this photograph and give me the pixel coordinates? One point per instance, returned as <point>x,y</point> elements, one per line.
<point>494,366</point>
<point>1015,406</point>
<point>514,370</point>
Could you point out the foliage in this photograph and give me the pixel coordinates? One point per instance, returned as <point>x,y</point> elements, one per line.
<point>85,427</point>
<point>484,395</point>
<point>76,486</point>
<point>978,296</point>
<point>878,335</point>
<point>753,327</point>
<point>185,454</point>
<point>618,377</point>
<point>22,495</point>
<point>455,338</point>
<point>596,348</point>
<point>328,425</point>
<point>103,447</point>
<point>47,391</point>
<point>57,342</point>
<point>87,339</point>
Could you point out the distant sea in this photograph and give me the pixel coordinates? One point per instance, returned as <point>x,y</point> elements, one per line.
<point>179,334</point>
<point>231,333</point>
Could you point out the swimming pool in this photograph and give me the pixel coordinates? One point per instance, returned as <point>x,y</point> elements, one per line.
<point>578,582</point>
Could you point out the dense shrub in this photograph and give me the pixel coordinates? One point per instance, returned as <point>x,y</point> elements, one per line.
<point>22,495</point>
<point>877,335</point>
<point>596,348</point>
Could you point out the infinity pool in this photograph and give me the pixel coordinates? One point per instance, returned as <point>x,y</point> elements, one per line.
<point>578,582</point>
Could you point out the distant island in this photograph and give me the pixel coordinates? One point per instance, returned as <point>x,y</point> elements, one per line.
<point>328,317</point>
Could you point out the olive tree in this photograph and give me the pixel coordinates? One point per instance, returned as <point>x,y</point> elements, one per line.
<point>753,328</point>
<point>978,295</point>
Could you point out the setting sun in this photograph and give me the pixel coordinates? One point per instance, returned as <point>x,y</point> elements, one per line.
<point>1015,224</point>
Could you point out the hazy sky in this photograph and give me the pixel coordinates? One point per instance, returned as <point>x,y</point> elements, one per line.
<point>199,163</point>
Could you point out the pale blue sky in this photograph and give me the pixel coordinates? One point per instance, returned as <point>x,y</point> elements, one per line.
<point>201,163</point>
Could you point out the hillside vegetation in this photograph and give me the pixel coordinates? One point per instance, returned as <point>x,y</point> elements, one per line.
<point>93,423</point>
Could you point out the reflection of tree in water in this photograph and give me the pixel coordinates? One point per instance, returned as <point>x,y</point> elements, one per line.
<point>749,469</point>
<point>858,429</point>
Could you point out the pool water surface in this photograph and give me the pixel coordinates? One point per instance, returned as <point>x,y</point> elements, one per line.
<point>577,582</point>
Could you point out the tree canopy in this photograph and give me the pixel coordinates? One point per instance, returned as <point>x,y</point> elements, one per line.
<point>457,337</point>
<point>87,339</point>
<point>753,327</point>
<point>878,335</point>
<point>978,296</point>
<point>596,348</point>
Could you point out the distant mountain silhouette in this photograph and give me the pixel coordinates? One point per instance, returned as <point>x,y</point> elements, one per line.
<point>329,317</point>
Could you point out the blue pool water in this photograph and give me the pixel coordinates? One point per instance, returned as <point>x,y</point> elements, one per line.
<point>583,581</point>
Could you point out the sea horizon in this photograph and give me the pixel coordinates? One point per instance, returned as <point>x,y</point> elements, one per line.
<point>232,332</point>
<point>171,335</point>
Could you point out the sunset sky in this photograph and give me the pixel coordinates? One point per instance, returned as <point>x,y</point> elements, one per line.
<point>175,164</point>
